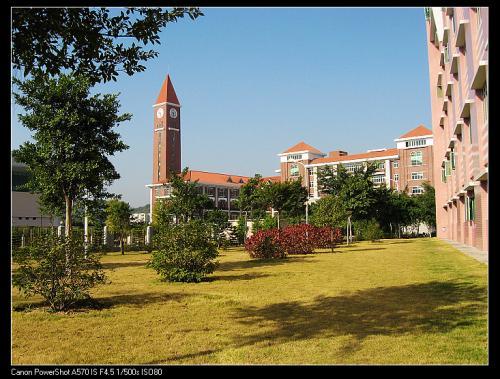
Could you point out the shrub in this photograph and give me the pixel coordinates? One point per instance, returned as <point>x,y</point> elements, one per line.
<point>265,244</point>
<point>299,239</point>
<point>57,269</point>
<point>293,239</point>
<point>327,237</point>
<point>368,230</point>
<point>185,252</point>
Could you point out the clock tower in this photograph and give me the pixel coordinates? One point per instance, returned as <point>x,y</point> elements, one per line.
<point>166,133</point>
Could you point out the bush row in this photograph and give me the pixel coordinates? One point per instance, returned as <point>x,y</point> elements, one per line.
<point>293,239</point>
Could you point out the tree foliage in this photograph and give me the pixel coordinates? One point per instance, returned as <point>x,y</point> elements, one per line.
<point>329,211</point>
<point>58,269</point>
<point>186,202</point>
<point>426,205</point>
<point>118,219</point>
<point>250,199</point>
<point>97,43</point>
<point>219,223</point>
<point>355,190</point>
<point>185,252</point>
<point>287,198</point>
<point>73,134</point>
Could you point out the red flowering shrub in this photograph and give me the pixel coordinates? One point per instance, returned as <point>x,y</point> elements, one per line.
<point>265,244</point>
<point>327,237</point>
<point>299,239</point>
<point>293,239</point>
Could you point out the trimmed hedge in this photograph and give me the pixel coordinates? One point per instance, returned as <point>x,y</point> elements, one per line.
<point>293,239</point>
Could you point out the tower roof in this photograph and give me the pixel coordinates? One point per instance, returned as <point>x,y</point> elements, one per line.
<point>167,92</point>
<point>302,146</point>
<point>417,132</point>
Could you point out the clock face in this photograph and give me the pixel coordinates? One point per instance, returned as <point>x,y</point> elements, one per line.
<point>159,113</point>
<point>173,112</point>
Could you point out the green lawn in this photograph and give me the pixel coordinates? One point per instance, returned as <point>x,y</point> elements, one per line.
<point>396,301</point>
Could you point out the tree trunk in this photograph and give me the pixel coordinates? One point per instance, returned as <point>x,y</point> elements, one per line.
<point>69,211</point>
<point>122,248</point>
<point>278,220</point>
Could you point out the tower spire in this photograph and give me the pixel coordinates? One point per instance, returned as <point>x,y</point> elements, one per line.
<point>167,93</point>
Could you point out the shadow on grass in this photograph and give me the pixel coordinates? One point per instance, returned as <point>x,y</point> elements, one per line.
<point>115,265</point>
<point>99,303</point>
<point>433,307</point>
<point>250,276</point>
<point>255,263</point>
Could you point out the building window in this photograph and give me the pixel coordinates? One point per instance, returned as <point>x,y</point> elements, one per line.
<point>222,192</point>
<point>222,204</point>
<point>478,17</point>
<point>417,175</point>
<point>294,170</point>
<point>416,158</point>
<point>415,142</point>
<point>294,157</point>
<point>210,191</point>
<point>452,159</point>
<point>470,208</point>
<point>396,177</point>
<point>417,190</point>
<point>443,174</point>
<point>234,193</point>
<point>447,167</point>
<point>352,167</point>
<point>452,22</point>
<point>378,179</point>
<point>484,96</point>
<point>446,54</point>
<point>395,164</point>
<point>379,165</point>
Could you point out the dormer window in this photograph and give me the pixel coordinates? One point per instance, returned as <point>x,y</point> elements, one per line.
<point>295,157</point>
<point>415,142</point>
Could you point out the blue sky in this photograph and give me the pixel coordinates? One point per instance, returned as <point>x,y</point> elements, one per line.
<point>254,81</point>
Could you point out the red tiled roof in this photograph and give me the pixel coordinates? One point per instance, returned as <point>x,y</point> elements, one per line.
<point>215,178</point>
<point>167,92</point>
<point>302,146</point>
<point>351,157</point>
<point>273,179</point>
<point>417,132</point>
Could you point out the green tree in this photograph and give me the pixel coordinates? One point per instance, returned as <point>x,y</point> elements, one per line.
<point>426,206</point>
<point>88,41</point>
<point>355,190</point>
<point>285,197</point>
<point>250,198</point>
<point>186,202</point>
<point>73,137</point>
<point>329,211</point>
<point>118,219</point>
<point>161,216</point>
<point>219,223</point>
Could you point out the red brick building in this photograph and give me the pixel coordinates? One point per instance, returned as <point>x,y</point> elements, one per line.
<point>222,189</point>
<point>403,168</point>
<point>457,45</point>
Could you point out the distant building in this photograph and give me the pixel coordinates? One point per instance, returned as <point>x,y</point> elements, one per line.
<point>457,45</point>
<point>140,218</point>
<point>403,168</point>
<point>222,189</point>
<point>25,208</point>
